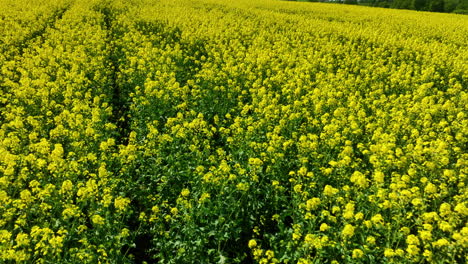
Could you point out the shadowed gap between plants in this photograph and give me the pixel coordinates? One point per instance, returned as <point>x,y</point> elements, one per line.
<point>186,70</point>
<point>121,110</point>
<point>119,97</point>
<point>119,100</point>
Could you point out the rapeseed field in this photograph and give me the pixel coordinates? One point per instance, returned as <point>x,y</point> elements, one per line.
<point>247,131</point>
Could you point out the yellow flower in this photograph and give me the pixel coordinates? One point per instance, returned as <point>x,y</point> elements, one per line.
<point>405,230</point>
<point>107,200</point>
<point>67,186</point>
<point>324,227</point>
<point>56,242</point>
<point>303,261</point>
<point>125,232</point>
<point>417,202</point>
<point>89,191</point>
<point>57,153</point>
<point>275,217</point>
<point>389,253</point>
<point>121,203</point>
<point>349,210</point>
<point>399,252</point>
<point>379,177</point>
<point>440,243</point>
<point>428,254</point>
<point>204,197</point>
<point>445,226</point>
<point>461,209</point>
<point>370,240</point>
<point>97,220</point>
<point>298,188</point>
<point>5,236</point>
<point>367,223</point>
<point>174,210</point>
<point>309,238</point>
<point>70,211</point>
<point>412,240</point>
<point>257,252</point>
<point>324,240</point>
<point>255,162</point>
<point>269,254</point>
<point>430,188</point>
<point>296,236</point>
<point>335,209</point>
<point>25,195</point>
<point>22,239</point>
<point>413,250</point>
<point>445,209</point>
<point>430,217</point>
<point>377,219</point>
<point>427,227</point>
<point>242,186</point>
<point>252,243</point>
<point>348,231</point>
<point>358,216</point>
<point>329,190</point>
<point>359,179</point>
<point>357,253</point>
<point>425,235</point>
<point>312,203</point>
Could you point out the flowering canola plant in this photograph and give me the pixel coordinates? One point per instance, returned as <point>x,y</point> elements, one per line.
<point>207,131</point>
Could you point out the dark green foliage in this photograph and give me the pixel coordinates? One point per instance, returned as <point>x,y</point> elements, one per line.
<point>447,6</point>
<point>384,4</point>
<point>462,4</point>
<point>461,11</point>
<point>462,7</point>
<point>450,5</point>
<point>403,4</point>
<point>436,6</point>
<point>350,2</point>
<point>419,4</point>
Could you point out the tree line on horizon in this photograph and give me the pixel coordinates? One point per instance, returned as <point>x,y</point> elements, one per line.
<point>446,6</point>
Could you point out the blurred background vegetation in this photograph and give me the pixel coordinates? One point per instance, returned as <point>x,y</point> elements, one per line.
<point>447,6</point>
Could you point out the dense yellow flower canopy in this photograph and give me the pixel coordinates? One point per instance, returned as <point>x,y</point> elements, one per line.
<point>248,131</point>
